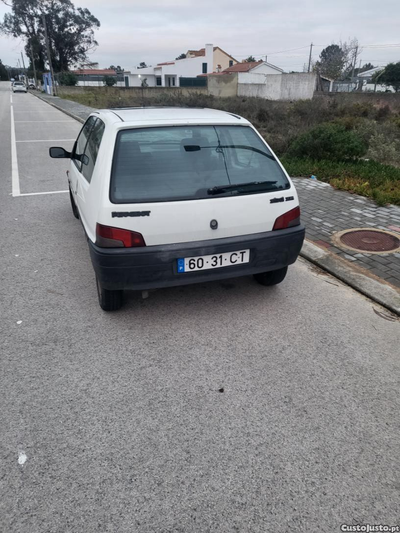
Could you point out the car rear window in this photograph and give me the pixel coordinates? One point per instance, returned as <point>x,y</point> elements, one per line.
<point>18,83</point>
<point>185,162</point>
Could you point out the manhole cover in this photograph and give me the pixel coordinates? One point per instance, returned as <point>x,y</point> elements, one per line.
<point>369,240</point>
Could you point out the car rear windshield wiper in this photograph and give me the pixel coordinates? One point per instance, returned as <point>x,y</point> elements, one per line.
<point>252,186</point>
<point>251,148</point>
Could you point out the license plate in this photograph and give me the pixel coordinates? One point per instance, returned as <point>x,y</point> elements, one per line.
<point>205,262</point>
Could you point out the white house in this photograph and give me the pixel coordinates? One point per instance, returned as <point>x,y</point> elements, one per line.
<point>368,84</point>
<point>168,74</point>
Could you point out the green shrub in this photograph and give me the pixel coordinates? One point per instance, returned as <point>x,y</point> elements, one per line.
<point>367,178</point>
<point>328,141</point>
<point>384,151</point>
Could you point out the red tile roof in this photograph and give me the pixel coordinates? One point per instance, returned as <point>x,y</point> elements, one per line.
<point>243,67</point>
<point>95,72</point>
<point>166,63</point>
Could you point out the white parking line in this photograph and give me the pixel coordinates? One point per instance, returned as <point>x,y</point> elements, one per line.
<point>16,191</point>
<point>41,121</point>
<point>40,193</point>
<point>46,141</point>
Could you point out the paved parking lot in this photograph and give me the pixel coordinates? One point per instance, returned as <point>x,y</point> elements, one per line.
<point>218,407</point>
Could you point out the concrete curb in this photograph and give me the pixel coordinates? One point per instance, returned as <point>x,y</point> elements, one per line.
<point>358,278</point>
<point>72,115</point>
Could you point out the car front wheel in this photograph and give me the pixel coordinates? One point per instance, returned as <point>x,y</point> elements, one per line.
<point>109,300</point>
<point>271,278</point>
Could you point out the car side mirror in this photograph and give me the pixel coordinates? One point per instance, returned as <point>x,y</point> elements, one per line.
<point>59,153</point>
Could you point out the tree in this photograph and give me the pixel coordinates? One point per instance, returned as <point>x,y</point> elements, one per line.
<point>142,65</point>
<point>67,78</point>
<point>182,56</point>
<point>109,81</point>
<point>116,68</point>
<point>331,61</point>
<point>390,76</point>
<point>250,59</point>
<point>351,51</point>
<point>70,30</point>
<point>3,72</point>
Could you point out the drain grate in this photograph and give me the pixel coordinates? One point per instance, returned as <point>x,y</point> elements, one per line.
<point>366,240</point>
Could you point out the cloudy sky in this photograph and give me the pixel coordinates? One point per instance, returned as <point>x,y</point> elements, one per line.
<point>159,30</point>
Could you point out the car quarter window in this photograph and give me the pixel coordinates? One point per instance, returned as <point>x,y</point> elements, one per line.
<point>92,149</point>
<point>81,141</point>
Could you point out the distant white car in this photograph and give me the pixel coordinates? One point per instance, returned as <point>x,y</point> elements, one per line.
<point>19,87</point>
<point>174,196</point>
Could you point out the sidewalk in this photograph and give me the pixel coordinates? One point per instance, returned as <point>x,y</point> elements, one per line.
<point>325,211</point>
<point>78,111</point>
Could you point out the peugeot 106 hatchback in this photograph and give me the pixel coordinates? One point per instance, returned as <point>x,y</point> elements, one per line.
<point>173,196</point>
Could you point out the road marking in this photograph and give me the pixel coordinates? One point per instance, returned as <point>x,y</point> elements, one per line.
<point>46,141</point>
<point>16,191</point>
<point>37,121</point>
<point>40,193</point>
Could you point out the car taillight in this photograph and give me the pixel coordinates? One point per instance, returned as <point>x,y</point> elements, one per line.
<point>108,237</point>
<point>287,220</point>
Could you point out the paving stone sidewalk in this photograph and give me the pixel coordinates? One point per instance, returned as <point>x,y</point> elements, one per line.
<point>70,107</point>
<point>325,211</point>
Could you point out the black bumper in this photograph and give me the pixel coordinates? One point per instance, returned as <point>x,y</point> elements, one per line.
<point>156,266</point>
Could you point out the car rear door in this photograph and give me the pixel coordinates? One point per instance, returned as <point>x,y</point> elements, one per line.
<point>83,162</point>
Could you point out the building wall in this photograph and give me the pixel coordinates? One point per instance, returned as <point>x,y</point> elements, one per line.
<point>221,59</point>
<point>296,86</point>
<point>265,69</point>
<point>135,81</point>
<point>223,85</point>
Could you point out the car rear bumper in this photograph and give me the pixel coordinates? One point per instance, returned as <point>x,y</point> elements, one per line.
<point>156,266</point>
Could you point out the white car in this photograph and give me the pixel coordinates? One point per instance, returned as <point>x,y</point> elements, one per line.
<point>19,87</point>
<point>174,196</point>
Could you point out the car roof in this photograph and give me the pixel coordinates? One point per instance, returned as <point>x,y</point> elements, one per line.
<point>170,115</point>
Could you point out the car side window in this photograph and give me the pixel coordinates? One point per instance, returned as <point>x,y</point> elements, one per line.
<point>81,142</point>
<point>92,149</point>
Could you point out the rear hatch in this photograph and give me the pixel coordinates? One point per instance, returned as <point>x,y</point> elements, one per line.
<point>191,183</point>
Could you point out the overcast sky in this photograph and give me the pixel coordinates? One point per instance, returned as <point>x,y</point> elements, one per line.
<point>159,30</point>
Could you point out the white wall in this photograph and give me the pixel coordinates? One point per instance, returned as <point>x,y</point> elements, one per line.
<point>296,86</point>
<point>264,68</point>
<point>135,81</point>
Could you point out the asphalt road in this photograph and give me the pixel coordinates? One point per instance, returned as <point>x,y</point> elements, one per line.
<point>117,423</point>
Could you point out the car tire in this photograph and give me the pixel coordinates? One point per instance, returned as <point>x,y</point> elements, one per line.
<point>109,300</point>
<point>73,205</point>
<point>271,278</point>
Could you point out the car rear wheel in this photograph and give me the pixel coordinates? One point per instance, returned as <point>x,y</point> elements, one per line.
<point>271,278</point>
<point>109,300</point>
<point>73,205</point>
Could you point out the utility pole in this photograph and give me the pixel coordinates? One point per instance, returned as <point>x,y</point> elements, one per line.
<point>355,61</point>
<point>309,59</point>
<point>33,65</point>
<point>25,73</point>
<point>53,81</point>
